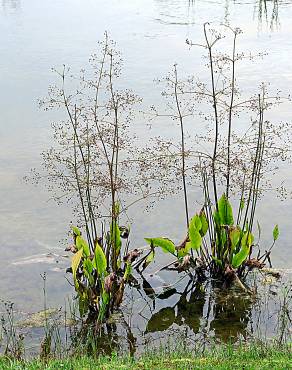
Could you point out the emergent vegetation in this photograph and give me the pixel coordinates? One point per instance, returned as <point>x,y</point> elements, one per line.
<point>98,166</point>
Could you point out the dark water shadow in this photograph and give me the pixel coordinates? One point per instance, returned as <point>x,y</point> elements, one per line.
<point>189,312</point>
<point>204,308</point>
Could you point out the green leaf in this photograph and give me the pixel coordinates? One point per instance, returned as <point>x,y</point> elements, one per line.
<point>194,234</point>
<point>103,306</point>
<point>196,221</point>
<point>241,204</point>
<point>128,271</point>
<point>75,264</point>
<point>240,257</point>
<point>217,219</point>
<point>88,266</point>
<point>234,236</point>
<point>204,222</point>
<point>117,208</point>
<point>81,243</point>
<point>184,251</point>
<point>105,298</point>
<point>88,269</point>
<point>116,236</point>
<point>99,261</point>
<point>76,231</point>
<point>225,211</point>
<point>247,239</point>
<point>149,259</point>
<point>83,305</point>
<point>165,244</point>
<point>276,233</point>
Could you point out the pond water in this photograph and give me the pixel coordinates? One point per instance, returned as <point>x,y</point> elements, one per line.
<point>36,36</point>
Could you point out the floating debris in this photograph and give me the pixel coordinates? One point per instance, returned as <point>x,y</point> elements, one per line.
<point>49,258</point>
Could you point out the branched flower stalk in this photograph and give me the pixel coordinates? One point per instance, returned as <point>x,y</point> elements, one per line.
<point>236,164</point>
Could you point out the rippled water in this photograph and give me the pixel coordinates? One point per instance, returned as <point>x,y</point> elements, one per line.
<point>37,35</point>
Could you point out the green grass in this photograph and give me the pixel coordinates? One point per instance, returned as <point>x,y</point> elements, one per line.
<point>228,357</point>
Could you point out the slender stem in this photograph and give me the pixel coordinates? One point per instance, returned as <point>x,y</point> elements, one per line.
<point>209,47</point>
<point>180,117</point>
<point>255,164</point>
<point>230,116</point>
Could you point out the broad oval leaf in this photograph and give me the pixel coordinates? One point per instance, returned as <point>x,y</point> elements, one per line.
<point>225,211</point>
<point>99,260</point>
<point>165,244</point>
<point>195,239</point>
<point>234,236</point>
<point>196,221</point>
<point>81,243</point>
<point>204,222</point>
<point>194,232</point>
<point>116,236</point>
<point>88,266</point>
<point>276,233</point>
<point>76,231</point>
<point>240,257</point>
<point>247,239</point>
<point>75,264</point>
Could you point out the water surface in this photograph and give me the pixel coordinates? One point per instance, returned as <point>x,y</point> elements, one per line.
<point>36,36</point>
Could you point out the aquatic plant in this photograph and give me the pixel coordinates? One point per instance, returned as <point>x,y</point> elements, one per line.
<point>100,274</point>
<point>93,165</point>
<point>96,164</point>
<point>220,241</point>
<point>10,339</point>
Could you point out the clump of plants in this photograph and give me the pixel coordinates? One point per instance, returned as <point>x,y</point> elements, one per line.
<point>97,166</point>
<point>100,274</point>
<point>93,167</point>
<point>220,240</point>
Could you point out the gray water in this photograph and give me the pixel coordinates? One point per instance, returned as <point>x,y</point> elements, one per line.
<point>38,35</point>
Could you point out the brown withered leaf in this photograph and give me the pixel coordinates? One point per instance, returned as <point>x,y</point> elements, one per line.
<point>71,248</point>
<point>184,265</point>
<point>132,255</point>
<point>229,273</point>
<point>183,243</point>
<point>255,263</point>
<point>120,294</point>
<point>108,282</point>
